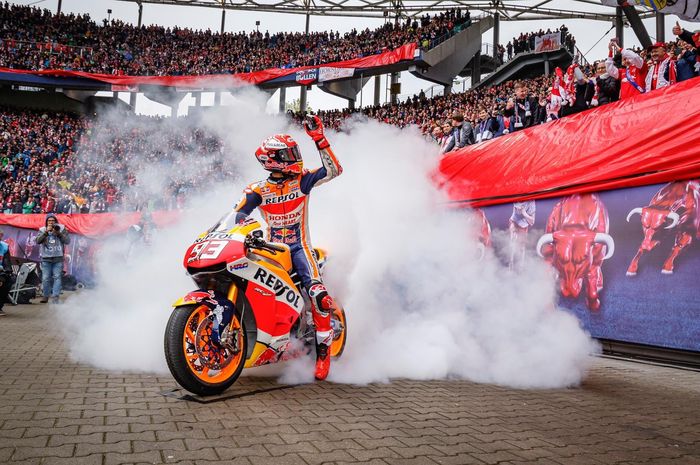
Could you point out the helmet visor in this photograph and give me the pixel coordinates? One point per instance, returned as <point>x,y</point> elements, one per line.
<point>290,154</point>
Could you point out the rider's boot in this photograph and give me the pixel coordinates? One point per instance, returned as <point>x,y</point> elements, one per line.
<point>322,305</point>
<point>323,361</point>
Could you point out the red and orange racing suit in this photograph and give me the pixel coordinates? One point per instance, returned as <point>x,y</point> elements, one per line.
<point>284,204</point>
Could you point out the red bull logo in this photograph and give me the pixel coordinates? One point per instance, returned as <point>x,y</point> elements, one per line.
<point>674,207</point>
<point>576,243</point>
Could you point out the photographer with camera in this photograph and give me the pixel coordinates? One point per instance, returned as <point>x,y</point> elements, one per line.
<point>52,238</point>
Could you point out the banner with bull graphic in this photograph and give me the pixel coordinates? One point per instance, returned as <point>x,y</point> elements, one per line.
<point>627,261</point>
<point>548,42</point>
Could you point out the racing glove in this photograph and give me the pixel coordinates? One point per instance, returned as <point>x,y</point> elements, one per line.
<point>314,128</point>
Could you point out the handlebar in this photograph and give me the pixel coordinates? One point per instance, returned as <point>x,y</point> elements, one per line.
<point>260,243</point>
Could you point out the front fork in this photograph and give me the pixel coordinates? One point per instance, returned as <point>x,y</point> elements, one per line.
<point>222,308</point>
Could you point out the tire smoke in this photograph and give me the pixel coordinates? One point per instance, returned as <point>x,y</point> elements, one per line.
<point>421,302</point>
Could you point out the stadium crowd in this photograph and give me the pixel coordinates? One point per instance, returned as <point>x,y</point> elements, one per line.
<point>36,39</point>
<point>456,120</point>
<point>62,163</point>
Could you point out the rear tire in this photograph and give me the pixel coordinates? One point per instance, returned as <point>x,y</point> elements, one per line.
<point>195,362</point>
<point>338,344</point>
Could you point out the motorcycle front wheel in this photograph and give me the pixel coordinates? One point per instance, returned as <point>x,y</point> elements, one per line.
<point>195,361</point>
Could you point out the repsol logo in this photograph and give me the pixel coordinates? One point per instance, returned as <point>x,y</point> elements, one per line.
<point>283,198</point>
<point>279,287</point>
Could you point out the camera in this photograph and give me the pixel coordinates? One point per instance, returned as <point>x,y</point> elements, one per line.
<point>56,228</point>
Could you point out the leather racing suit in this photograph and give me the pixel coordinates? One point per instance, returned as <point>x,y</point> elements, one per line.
<point>284,204</point>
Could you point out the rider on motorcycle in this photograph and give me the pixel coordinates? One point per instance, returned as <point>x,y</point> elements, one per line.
<point>283,200</point>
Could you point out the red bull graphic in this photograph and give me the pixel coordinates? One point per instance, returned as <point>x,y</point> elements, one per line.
<point>675,207</point>
<point>588,237</point>
<point>576,242</point>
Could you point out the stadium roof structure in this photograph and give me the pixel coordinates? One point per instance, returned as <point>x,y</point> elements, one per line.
<point>508,10</point>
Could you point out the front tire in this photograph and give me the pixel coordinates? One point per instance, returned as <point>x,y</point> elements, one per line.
<point>196,363</point>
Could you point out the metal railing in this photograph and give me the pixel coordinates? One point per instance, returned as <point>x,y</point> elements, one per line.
<point>52,47</point>
<point>455,30</point>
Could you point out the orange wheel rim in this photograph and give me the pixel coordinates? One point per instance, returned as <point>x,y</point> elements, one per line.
<point>338,342</point>
<point>208,362</point>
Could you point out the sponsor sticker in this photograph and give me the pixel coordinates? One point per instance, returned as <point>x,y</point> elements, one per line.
<point>307,76</point>
<point>329,73</point>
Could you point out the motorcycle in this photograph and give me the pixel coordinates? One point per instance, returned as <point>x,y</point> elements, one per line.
<point>248,309</point>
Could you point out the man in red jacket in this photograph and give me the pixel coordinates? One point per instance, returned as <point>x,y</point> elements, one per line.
<point>662,72</point>
<point>632,76</point>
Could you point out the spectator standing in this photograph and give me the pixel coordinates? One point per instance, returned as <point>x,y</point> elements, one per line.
<point>509,48</point>
<point>607,87</point>
<point>691,38</point>
<point>662,72</point>
<point>5,272</point>
<point>632,75</point>
<point>685,63</point>
<point>582,94</point>
<point>52,239</point>
<point>521,109</point>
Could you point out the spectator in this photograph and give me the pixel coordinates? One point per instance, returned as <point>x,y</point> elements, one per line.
<point>36,39</point>
<point>692,39</point>
<point>662,71</point>
<point>632,76</point>
<point>582,94</point>
<point>608,89</point>
<point>447,138</point>
<point>436,135</point>
<point>28,206</point>
<point>686,59</point>
<point>52,239</point>
<point>543,111</point>
<point>486,128</point>
<point>521,109</point>
<point>509,47</point>
<point>462,133</point>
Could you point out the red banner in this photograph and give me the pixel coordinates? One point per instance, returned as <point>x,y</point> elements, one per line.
<point>89,224</point>
<point>223,81</point>
<point>647,139</point>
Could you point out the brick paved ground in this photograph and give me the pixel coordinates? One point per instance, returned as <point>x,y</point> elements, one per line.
<point>55,412</point>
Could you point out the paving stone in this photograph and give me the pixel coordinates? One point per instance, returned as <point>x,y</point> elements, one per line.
<point>56,412</point>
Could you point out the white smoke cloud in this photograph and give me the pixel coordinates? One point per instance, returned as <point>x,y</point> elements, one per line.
<point>420,304</point>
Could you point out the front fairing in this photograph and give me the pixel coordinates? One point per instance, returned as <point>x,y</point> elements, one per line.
<point>221,244</point>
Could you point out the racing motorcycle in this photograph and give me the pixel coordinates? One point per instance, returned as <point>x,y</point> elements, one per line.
<point>248,309</point>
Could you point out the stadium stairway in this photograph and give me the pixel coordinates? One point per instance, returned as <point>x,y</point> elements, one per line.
<point>446,60</point>
<point>524,66</point>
